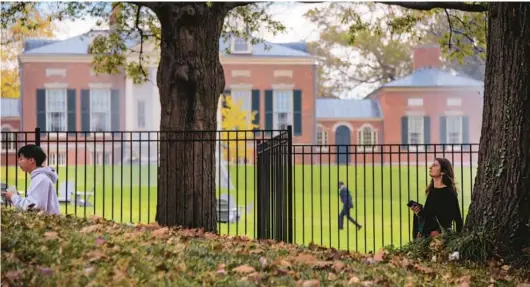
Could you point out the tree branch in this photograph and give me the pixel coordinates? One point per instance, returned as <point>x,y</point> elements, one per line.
<point>450,27</point>
<point>426,6</point>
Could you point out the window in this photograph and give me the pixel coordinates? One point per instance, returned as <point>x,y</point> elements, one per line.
<point>283,109</point>
<point>244,100</point>
<point>100,110</point>
<point>240,45</point>
<point>415,128</point>
<point>322,138</point>
<point>140,113</point>
<point>454,130</point>
<point>367,137</point>
<point>99,157</point>
<point>8,140</point>
<point>415,102</point>
<point>56,159</point>
<point>56,110</point>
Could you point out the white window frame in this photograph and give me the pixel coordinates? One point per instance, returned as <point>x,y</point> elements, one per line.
<point>56,159</point>
<point>109,111</point>
<point>373,138</point>
<point>138,121</point>
<point>322,139</point>
<point>422,133</point>
<point>457,146</point>
<point>65,110</point>
<point>233,46</point>
<point>275,113</point>
<point>415,102</point>
<point>247,98</point>
<point>10,140</point>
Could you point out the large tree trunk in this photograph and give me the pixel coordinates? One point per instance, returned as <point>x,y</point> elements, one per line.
<point>190,81</point>
<point>501,200</point>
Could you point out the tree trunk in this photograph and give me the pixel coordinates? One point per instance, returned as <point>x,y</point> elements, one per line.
<point>190,81</point>
<point>500,203</point>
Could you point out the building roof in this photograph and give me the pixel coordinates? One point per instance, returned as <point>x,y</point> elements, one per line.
<point>78,45</point>
<point>432,77</point>
<point>347,108</point>
<point>10,107</point>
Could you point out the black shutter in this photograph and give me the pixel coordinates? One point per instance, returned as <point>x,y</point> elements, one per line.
<point>427,131</point>
<point>443,130</point>
<point>71,103</point>
<point>404,132</point>
<point>85,111</point>
<point>465,133</point>
<point>115,111</point>
<point>41,109</point>
<point>268,110</point>
<point>255,108</point>
<point>297,112</point>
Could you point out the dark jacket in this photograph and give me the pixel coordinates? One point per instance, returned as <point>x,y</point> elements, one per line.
<point>345,197</point>
<point>441,208</point>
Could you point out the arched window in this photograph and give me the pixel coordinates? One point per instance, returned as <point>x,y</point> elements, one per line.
<point>8,140</point>
<point>322,138</point>
<point>367,136</point>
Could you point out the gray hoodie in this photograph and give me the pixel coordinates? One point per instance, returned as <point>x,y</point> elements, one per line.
<point>41,192</point>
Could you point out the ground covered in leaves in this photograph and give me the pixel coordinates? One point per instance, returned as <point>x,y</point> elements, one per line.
<point>40,250</point>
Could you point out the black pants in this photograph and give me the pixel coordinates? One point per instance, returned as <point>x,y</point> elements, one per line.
<point>346,212</point>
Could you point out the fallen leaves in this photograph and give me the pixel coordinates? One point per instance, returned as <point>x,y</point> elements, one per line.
<point>97,252</point>
<point>244,269</point>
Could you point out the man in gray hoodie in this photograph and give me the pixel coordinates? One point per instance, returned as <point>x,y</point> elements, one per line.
<point>41,194</point>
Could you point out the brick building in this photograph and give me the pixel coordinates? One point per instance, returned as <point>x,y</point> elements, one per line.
<point>10,125</point>
<point>429,106</point>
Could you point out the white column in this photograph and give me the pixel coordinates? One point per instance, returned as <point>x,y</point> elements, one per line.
<point>155,112</point>
<point>130,103</point>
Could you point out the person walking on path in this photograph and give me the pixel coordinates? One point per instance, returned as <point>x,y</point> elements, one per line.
<point>347,205</point>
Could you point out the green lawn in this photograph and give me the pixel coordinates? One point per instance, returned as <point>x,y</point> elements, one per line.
<point>128,194</point>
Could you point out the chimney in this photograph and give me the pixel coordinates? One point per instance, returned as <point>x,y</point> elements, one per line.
<point>427,56</point>
<point>114,16</point>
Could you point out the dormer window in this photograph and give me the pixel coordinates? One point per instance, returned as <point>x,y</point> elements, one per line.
<point>241,46</point>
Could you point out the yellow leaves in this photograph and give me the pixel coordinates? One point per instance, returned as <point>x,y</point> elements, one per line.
<point>235,118</point>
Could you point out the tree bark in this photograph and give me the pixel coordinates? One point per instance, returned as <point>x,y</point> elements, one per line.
<point>190,80</point>
<point>500,203</point>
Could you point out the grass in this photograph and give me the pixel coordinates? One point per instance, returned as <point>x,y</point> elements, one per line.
<point>43,250</point>
<point>380,194</point>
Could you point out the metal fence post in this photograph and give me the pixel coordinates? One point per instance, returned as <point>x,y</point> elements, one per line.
<point>290,226</point>
<point>37,136</point>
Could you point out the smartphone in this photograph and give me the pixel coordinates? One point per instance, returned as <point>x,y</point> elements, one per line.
<point>412,203</point>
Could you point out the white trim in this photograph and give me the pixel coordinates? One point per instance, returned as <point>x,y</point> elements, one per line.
<point>56,85</point>
<point>454,102</point>
<point>415,113</point>
<point>360,138</point>
<point>102,86</point>
<point>348,119</point>
<point>337,125</point>
<point>108,118</point>
<point>241,86</point>
<point>283,87</point>
<point>55,72</point>
<point>240,73</point>
<point>454,113</point>
<point>53,133</point>
<point>283,73</point>
<point>225,59</point>
<point>415,102</point>
<point>325,132</point>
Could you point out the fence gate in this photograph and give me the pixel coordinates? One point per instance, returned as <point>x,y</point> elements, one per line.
<point>275,188</point>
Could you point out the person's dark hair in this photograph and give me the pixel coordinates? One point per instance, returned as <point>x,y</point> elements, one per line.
<point>449,175</point>
<point>33,151</point>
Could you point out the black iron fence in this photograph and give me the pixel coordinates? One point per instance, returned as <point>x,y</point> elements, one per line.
<point>264,186</point>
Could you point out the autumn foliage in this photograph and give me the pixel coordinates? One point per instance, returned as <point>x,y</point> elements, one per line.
<point>234,144</point>
<point>44,250</point>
